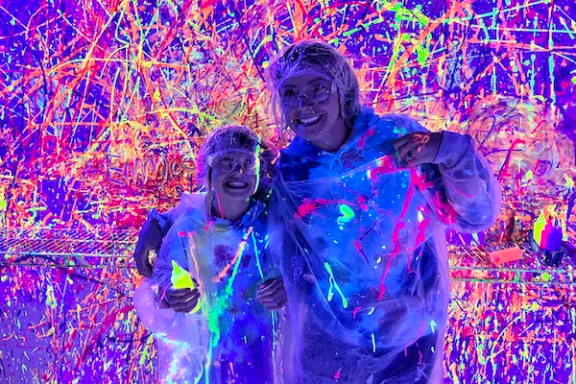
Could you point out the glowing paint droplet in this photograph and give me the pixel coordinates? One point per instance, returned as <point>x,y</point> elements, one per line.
<point>347,214</point>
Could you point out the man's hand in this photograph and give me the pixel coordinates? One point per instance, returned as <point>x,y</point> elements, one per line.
<point>272,294</point>
<point>150,239</point>
<point>418,147</point>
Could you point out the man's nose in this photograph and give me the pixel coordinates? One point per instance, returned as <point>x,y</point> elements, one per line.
<point>303,100</point>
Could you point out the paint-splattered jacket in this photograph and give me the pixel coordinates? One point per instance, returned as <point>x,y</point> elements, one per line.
<point>232,335</point>
<point>363,254</point>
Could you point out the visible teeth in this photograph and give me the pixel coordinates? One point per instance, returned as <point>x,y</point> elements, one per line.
<point>237,184</point>
<point>310,120</point>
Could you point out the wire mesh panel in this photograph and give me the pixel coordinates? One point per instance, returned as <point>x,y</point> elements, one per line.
<point>35,247</point>
<point>68,315</point>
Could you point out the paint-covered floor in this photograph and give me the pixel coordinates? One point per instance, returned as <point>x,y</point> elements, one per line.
<point>66,314</point>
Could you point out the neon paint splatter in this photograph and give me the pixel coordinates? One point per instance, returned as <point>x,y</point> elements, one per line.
<point>347,214</point>
<point>334,286</point>
<point>103,107</point>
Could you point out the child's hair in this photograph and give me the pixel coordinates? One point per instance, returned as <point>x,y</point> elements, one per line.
<point>242,139</point>
<point>314,56</point>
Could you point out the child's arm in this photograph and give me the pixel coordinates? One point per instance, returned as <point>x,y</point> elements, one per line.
<point>148,310</point>
<point>173,257</point>
<point>174,248</point>
<point>271,293</point>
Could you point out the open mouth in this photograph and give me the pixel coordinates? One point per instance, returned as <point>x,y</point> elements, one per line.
<point>309,120</point>
<point>236,184</point>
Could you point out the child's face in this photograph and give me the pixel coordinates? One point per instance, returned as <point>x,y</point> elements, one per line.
<point>235,175</point>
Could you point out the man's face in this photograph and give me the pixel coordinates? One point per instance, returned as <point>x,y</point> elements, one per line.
<point>310,105</point>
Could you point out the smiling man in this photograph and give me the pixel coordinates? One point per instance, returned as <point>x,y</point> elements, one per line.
<point>357,222</point>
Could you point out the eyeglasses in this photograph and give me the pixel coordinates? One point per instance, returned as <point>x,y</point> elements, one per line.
<point>228,164</point>
<point>316,92</point>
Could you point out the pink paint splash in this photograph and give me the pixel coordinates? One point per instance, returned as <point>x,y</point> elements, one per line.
<point>337,375</point>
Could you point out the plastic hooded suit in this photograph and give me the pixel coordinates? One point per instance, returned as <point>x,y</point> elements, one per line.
<point>361,244</point>
<point>232,339</point>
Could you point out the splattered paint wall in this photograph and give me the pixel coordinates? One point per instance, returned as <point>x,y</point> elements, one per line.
<point>103,104</point>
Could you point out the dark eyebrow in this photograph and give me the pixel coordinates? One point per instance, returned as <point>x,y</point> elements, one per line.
<point>317,79</point>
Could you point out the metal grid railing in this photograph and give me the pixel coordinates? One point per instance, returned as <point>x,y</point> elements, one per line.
<point>57,247</point>
<point>66,248</point>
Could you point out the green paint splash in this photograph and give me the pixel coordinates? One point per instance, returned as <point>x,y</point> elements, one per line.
<point>334,285</point>
<point>347,214</point>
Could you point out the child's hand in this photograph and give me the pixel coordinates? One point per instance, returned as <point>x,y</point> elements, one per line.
<point>183,291</point>
<point>183,300</point>
<point>272,294</point>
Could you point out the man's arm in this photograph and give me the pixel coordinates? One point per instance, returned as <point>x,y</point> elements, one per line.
<point>150,239</point>
<point>155,229</point>
<point>465,190</point>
